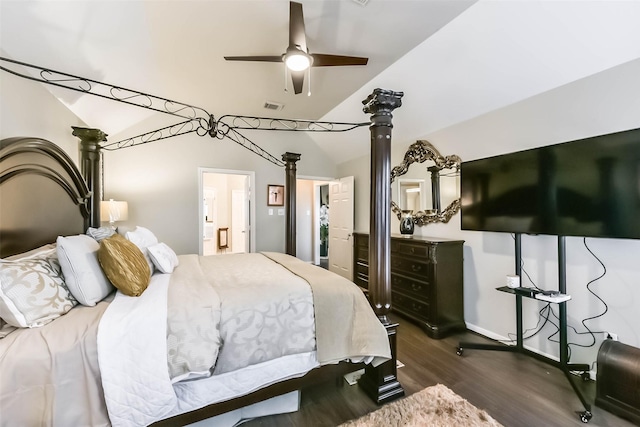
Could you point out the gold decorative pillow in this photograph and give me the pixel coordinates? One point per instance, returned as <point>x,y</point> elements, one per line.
<point>124,265</point>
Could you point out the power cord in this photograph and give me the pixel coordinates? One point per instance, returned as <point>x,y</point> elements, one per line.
<point>606,307</point>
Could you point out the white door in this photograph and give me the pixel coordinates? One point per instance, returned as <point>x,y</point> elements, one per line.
<point>239,233</point>
<point>341,227</point>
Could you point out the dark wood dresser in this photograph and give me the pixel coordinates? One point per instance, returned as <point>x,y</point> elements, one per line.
<point>426,280</point>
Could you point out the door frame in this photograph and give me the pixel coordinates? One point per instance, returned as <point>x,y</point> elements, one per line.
<point>251,177</point>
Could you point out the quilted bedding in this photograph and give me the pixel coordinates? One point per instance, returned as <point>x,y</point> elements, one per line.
<point>267,326</point>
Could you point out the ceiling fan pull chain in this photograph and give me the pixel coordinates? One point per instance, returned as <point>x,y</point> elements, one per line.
<point>285,78</point>
<point>309,81</point>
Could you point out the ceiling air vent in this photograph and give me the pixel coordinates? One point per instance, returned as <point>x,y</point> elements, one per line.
<point>275,106</point>
<point>361,2</point>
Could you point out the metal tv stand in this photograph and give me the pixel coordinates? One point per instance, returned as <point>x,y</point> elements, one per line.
<point>563,364</point>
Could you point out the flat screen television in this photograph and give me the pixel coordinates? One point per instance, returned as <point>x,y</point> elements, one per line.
<point>588,187</point>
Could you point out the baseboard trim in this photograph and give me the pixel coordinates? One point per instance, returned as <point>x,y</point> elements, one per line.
<point>506,340</point>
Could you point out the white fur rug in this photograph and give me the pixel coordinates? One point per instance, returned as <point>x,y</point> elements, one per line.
<point>435,406</point>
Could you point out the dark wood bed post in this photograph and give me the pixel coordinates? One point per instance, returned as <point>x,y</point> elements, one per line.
<point>290,201</point>
<point>381,383</point>
<point>90,140</point>
<point>380,104</point>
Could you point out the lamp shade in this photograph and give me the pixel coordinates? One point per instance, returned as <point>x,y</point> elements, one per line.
<point>113,211</point>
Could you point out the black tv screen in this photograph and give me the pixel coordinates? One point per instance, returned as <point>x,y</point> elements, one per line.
<point>589,187</point>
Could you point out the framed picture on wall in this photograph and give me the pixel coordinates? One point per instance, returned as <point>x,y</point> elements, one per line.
<point>275,195</point>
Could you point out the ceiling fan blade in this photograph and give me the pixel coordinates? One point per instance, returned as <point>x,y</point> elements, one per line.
<point>323,60</point>
<point>255,58</point>
<point>298,79</point>
<point>297,35</point>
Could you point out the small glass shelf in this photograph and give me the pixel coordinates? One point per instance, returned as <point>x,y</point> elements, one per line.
<point>535,294</point>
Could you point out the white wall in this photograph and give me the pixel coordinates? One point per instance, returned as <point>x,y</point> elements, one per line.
<point>28,109</point>
<point>603,103</point>
<point>160,180</point>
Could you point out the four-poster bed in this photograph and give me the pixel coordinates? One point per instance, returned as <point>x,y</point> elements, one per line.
<point>379,382</point>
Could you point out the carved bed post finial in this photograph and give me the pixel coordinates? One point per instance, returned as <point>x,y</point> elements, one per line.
<point>380,104</point>
<point>290,160</point>
<point>90,140</point>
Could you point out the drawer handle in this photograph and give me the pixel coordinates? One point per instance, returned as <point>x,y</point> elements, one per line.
<point>412,250</point>
<point>416,287</point>
<point>416,268</point>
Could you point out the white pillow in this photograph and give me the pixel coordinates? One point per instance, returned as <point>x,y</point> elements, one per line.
<point>83,275</point>
<point>163,257</point>
<point>32,290</point>
<point>143,238</point>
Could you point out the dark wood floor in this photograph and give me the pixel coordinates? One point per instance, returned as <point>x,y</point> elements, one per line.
<point>515,389</point>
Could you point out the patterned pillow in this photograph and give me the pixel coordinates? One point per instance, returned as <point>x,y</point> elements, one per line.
<point>32,290</point>
<point>163,257</point>
<point>32,253</point>
<point>124,264</point>
<point>100,233</point>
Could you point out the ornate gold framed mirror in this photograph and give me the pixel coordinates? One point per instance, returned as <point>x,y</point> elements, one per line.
<point>432,202</point>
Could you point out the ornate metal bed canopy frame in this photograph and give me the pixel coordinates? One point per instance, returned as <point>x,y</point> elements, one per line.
<point>197,119</point>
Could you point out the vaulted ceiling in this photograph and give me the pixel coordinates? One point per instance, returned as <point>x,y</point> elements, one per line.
<point>175,49</point>
<point>456,60</point>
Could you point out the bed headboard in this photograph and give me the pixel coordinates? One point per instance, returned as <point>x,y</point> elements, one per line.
<point>42,195</point>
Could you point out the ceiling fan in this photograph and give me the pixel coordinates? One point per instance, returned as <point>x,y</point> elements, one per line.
<point>297,58</point>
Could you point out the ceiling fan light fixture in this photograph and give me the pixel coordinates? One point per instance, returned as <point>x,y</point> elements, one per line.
<point>297,60</point>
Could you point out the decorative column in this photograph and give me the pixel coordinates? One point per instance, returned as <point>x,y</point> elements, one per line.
<point>380,104</point>
<point>435,188</point>
<point>381,383</point>
<point>90,140</point>
<point>290,160</point>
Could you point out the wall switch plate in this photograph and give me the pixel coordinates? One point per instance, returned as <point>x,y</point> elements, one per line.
<point>280,211</point>
<point>270,211</point>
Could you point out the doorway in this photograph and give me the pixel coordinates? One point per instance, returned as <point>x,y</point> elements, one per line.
<point>226,216</point>
<point>322,232</point>
<point>323,214</point>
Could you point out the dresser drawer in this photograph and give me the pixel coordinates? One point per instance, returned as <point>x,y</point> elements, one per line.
<point>410,267</point>
<point>407,285</point>
<point>410,306</point>
<point>409,248</point>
